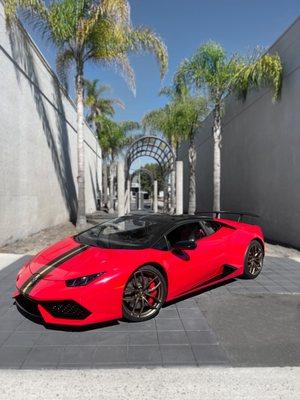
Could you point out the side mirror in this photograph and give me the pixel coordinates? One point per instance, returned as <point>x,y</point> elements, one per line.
<point>185,245</point>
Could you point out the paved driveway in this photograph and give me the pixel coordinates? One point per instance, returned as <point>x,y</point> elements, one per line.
<point>205,329</point>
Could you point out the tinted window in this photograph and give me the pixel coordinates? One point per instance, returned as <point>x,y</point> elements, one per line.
<point>190,231</point>
<point>211,226</point>
<point>161,244</point>
<point>122,233</point>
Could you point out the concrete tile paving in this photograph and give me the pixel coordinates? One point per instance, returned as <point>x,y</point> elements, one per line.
<point>180,335</point>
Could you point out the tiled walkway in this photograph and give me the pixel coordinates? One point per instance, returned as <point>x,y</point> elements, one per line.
<point>180,335</point>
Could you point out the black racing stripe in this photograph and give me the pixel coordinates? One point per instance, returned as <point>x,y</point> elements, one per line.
<point>29,280</point>
<point>49,263</point>
<point>47,268</point>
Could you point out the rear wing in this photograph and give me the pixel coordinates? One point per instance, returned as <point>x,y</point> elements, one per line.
<point>218,214</point>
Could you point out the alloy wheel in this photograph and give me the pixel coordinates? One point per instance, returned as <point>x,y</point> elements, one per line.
<point>144,294</point>
<point>255,259</point>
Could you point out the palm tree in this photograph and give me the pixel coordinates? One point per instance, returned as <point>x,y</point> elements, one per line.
<point>178,121</point>
<point>97,104</point>
<point>176,93</point>
<point>190,113</point>
<point>162,120</point>
<point>84,31</point>
<point>99,107</point>
<point>211,70</point>
<point>114,137</point>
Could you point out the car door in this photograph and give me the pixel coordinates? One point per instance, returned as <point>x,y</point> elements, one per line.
<point>193,267</point>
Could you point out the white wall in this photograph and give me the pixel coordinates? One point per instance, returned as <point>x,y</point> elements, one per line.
<point>38,157</point>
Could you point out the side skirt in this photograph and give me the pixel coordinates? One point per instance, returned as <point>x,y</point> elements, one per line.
<point>228,272</point>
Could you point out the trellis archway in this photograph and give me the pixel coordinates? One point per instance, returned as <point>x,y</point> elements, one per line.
<point>158,149</point>
<point>154,147</point>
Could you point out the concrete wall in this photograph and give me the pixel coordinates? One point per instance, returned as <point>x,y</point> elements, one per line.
<point>38,156</point>
<point>260,153</point>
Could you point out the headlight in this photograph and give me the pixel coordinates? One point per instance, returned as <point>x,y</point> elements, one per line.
<point>84,280</point>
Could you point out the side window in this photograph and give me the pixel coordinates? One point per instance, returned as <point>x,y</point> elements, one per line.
<point>211,226</point>
<point>190,231</point>
<point>161,244</point>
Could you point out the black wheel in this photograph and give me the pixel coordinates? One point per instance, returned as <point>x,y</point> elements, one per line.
<point>253,260</point>
<point>144,294</point>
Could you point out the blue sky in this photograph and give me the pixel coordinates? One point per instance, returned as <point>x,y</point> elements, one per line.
<point>239,25</point>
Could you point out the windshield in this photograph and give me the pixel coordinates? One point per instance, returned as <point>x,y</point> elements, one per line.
<point>127,232</point>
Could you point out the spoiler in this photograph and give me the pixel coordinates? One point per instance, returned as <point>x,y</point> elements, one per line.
<point>218,214</point>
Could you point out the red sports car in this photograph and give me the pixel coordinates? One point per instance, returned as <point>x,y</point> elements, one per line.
<point>130,266</point>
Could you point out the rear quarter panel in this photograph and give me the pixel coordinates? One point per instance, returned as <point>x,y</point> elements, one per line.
<point>239,241</point>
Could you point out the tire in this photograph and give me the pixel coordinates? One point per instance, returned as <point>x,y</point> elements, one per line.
<point>253,260</point>
<point>144,294</point>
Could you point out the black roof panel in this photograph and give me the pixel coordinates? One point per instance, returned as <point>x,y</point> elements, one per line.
<point>167,218</point>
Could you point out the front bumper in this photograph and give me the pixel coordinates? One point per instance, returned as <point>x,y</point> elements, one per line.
<point>55,303</point>
<point>61,309</point>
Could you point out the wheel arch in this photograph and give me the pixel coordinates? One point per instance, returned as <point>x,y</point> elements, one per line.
<point>255,238</point>
<point>259,240</point>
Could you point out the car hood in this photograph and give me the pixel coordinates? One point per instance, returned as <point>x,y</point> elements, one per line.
<point>68,259</point>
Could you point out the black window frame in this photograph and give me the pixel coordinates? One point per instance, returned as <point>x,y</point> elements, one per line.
<point>155,245</point>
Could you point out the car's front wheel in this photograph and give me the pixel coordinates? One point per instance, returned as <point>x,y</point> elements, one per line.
<point>253,260</point>
<point>144,294</point>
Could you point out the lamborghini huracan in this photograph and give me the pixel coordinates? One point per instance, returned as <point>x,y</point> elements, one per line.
<point>129,267</point>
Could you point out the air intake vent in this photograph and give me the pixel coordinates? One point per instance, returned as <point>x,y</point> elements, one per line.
<point>28,306</point>
<point>68,309</point>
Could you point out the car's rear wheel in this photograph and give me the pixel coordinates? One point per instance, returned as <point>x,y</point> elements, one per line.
<point>253,260</point>
<point>144,294</point>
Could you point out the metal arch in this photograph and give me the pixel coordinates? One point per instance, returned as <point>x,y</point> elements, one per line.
<point>154,147</point>
<point>143,171</point>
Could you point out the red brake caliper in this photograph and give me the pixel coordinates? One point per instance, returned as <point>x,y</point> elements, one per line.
<point>152,294</point>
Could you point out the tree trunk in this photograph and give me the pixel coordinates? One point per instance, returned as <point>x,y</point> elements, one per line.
<point>192,174</point>
<point>173,180</point>
<point>173,193</point>
<point>104,185</point>
<point>217,158</point>
<point>166,195</point>
<point>111,209</point>
<point>81,217</point>
<point>98,188</point>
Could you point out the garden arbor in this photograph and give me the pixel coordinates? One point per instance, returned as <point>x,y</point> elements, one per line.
<point>158,149</point>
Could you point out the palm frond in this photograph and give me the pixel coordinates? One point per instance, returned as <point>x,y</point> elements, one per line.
<point>36,8</point>
<point>64,18</point>
<point>64,59</point>
<point>166,91</point>
<point>96,31</point>
<point>122,64</point>
<point>144,39</point>
<point>266,71</point>
<point>127,126</point>
<point>98,106</point>
<point>118,10</point>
